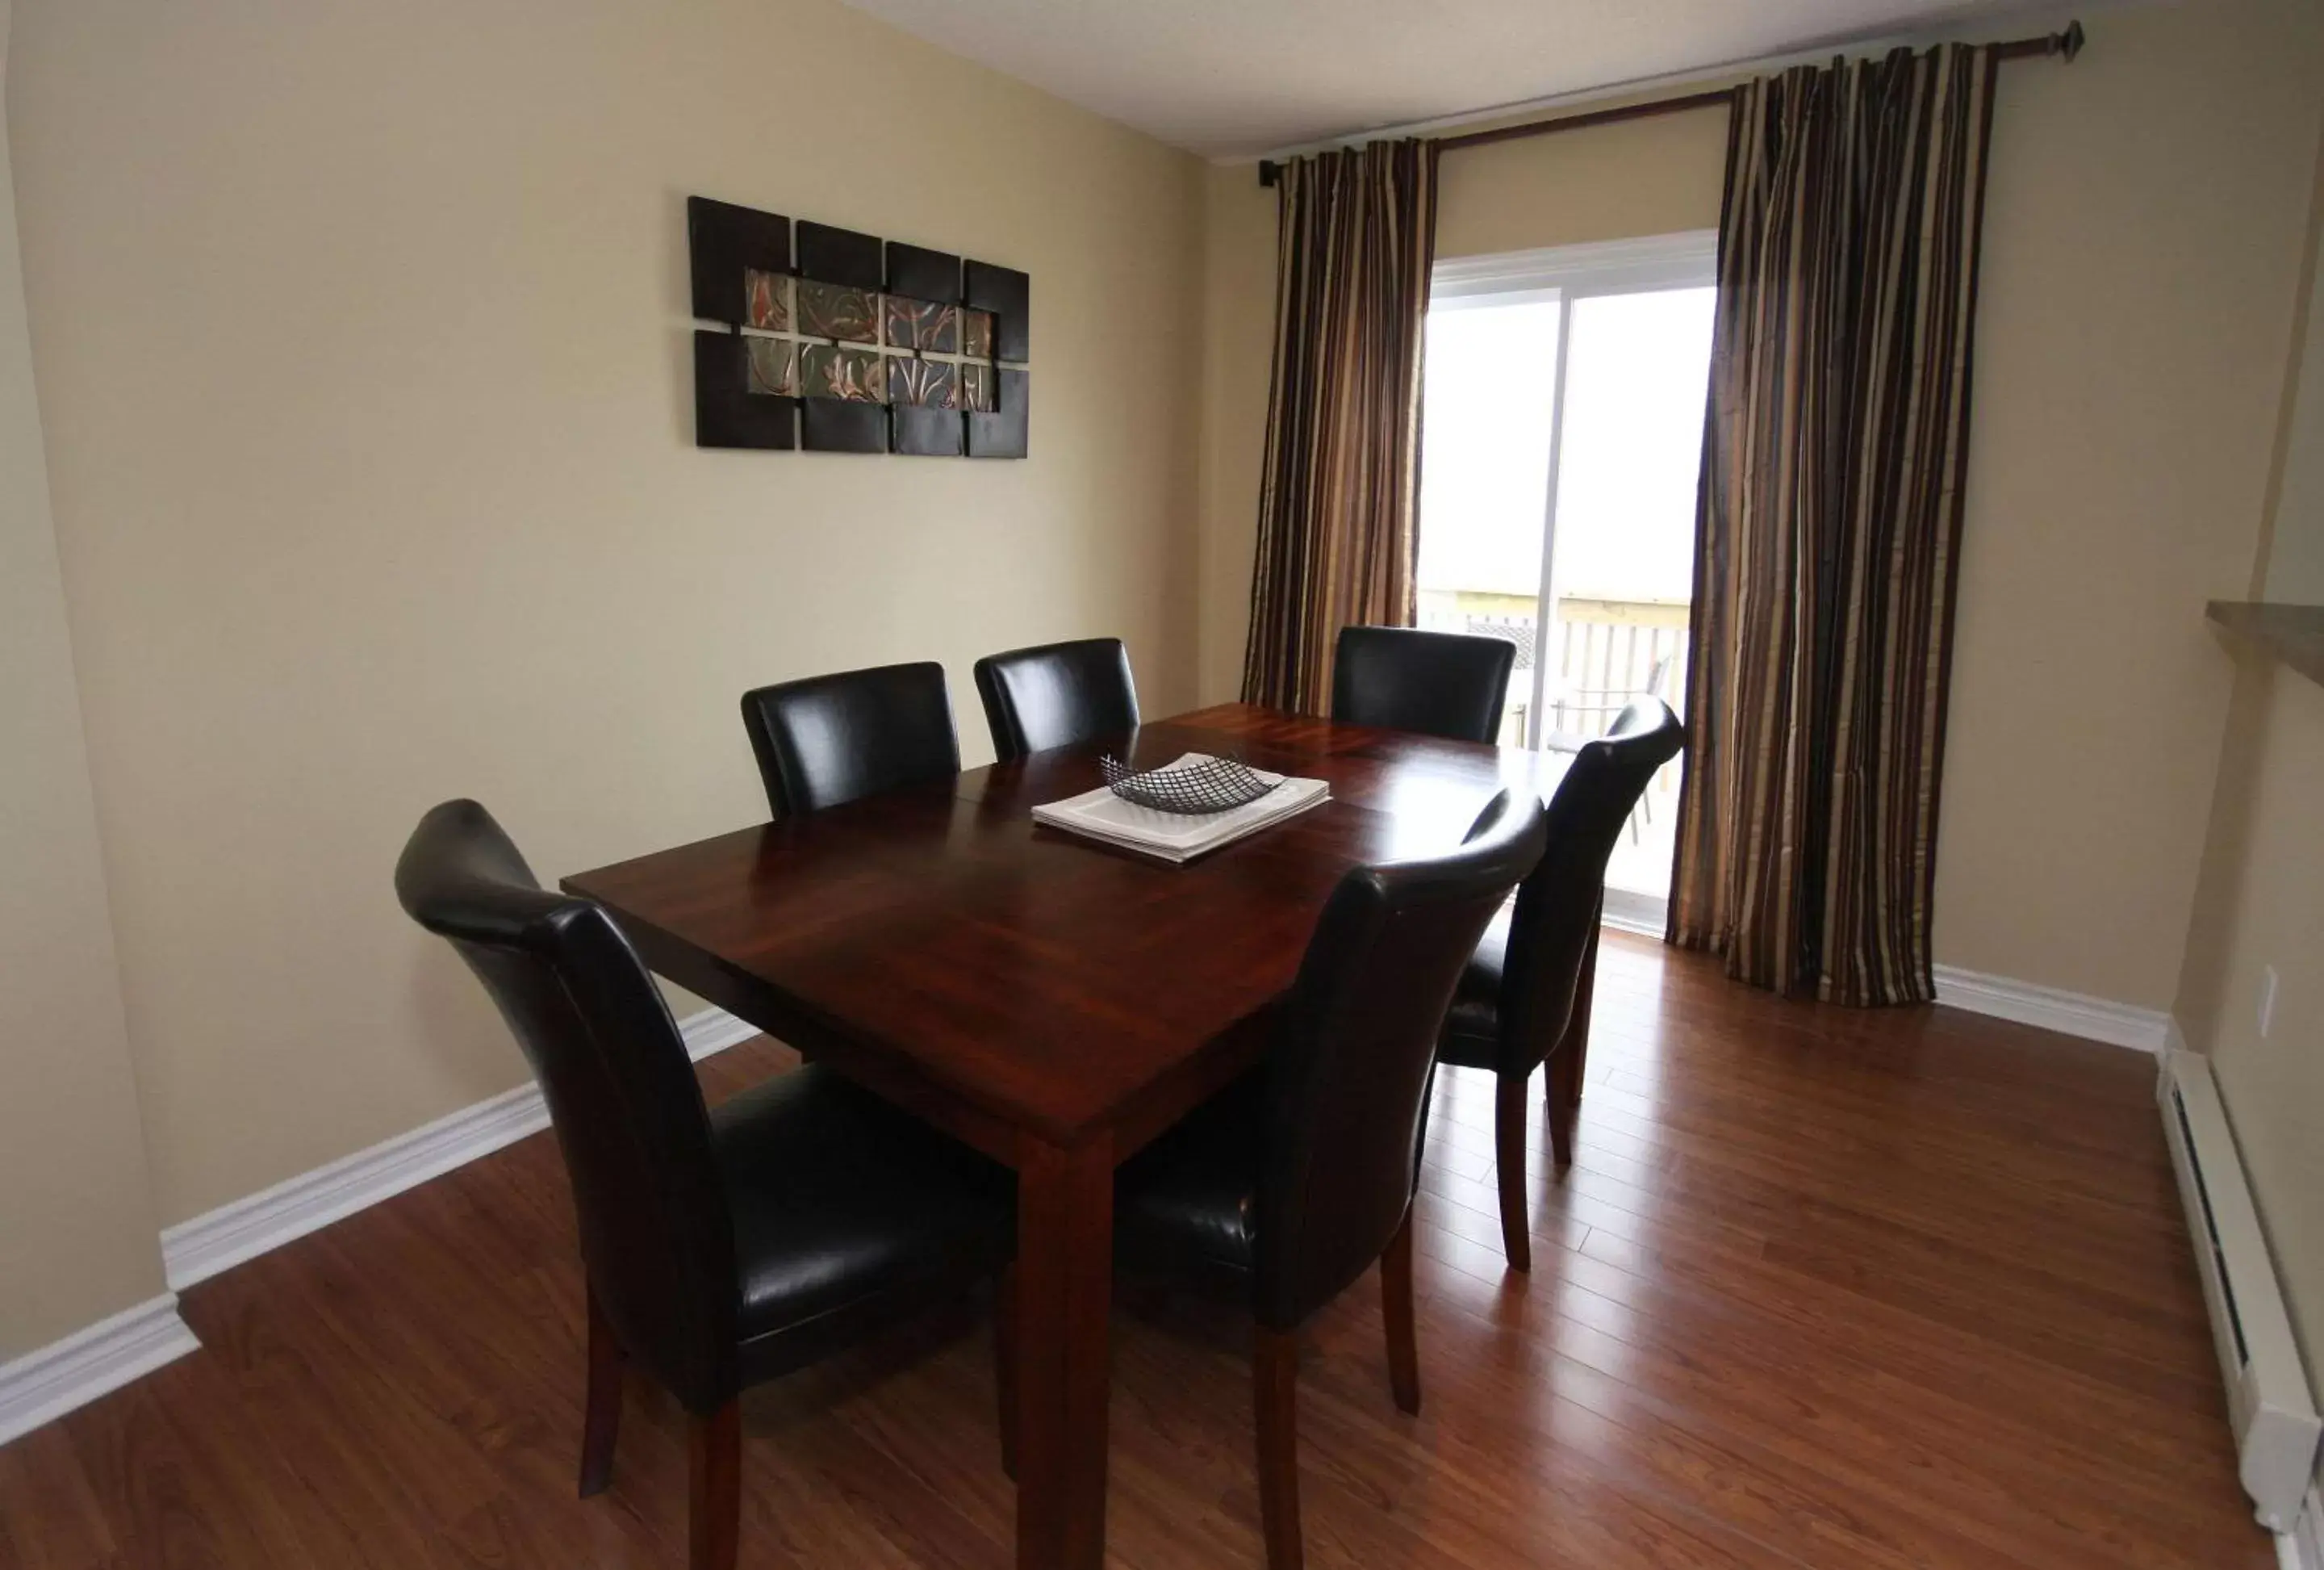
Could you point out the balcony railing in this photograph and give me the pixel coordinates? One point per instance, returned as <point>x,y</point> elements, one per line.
<point>1607,651</point>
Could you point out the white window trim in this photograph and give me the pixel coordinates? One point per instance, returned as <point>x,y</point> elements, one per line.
<point>1688,259</point>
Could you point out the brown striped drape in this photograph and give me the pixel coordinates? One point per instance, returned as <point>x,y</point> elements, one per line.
<point>1337,503</point>
<point>1829,523</point>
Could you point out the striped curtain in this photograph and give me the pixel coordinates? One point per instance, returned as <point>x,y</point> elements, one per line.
<point>1829,522</point>
<point>1341,489</point>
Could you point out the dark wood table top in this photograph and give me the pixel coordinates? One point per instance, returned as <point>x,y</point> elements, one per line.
<point>1003,976</point>
<point>1053,1002</point>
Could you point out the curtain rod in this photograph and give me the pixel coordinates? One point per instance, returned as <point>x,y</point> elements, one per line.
<point>2065,45</point>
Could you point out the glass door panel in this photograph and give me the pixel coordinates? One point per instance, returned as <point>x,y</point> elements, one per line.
<point>1622,567</point>
<point>1490,412</point>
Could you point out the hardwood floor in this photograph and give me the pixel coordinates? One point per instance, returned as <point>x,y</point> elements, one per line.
<point>1822,1288</point>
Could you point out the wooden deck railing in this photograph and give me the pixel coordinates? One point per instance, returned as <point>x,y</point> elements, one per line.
<point>1610,652</point>
<point>1605,652</point>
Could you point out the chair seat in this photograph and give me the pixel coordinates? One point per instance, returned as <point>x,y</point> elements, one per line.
<point>1186,1202</point>
<point>837,1197</point>
<point>1472,1026</point>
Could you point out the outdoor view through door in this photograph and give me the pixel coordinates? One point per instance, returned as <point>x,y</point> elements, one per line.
<point>1562,435</point>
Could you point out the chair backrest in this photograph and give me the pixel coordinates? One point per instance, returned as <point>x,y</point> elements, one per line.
<point>655,1233</point>
<point>1441,684</point>
<point>1056,695</point>
<point>830,739</point>
<point>1557,904</point>
<point>1347,1081</point>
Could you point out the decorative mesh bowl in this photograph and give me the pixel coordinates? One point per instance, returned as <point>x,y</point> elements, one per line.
<point>1215,785</point>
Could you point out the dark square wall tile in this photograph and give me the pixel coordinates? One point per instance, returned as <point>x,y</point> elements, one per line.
<point>1008,294</point>
<point>923,274</point>
<point>724,241</point>
<point>833,426</point>
<point>1002,434</point>
<point>927,432</point>
<point>726,412</point>
<point>839,256</point>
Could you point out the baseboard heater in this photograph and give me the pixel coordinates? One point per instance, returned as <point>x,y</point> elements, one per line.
<point>2268,1400</point>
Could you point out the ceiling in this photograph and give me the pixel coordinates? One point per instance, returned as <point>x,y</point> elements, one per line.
<point>1230,79</point>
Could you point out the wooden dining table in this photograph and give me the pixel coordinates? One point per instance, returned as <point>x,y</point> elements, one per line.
<point>1051,1001</point>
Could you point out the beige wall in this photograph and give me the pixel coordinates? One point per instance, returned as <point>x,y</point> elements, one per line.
<point>1238,328</point>
<point>2146,212</point>
<point>1611,182</point>
<point>2145,219</point>
<point>363,352</point>
<point>2293,571</point>
<point>75,1225</point>
<point>2260,902</point>
<point>2270,911</point>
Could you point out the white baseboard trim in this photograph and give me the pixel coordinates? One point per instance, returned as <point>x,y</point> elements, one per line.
<point>194,1250</point>
<point>1643,914</point>
<point>711,1031</point>
<point>44,1385</point>
<point>2303,1547</point>
<point>2054,1009</point>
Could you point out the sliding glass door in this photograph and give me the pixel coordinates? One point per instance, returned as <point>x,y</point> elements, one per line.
<point>1561,443</point>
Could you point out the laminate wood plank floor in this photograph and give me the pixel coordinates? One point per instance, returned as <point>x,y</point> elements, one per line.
<point>1822,1288</point>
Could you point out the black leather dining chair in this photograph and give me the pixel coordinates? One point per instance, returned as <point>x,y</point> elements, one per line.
<point>721,1247</point>
<point>1518,997</point>
<point>1440,684</point>
<point>1056,695</point>
<point>827,739</point>
<point>1292,1182</point>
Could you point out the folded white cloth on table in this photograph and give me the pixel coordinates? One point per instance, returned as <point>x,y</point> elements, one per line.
<point>1174,837</point>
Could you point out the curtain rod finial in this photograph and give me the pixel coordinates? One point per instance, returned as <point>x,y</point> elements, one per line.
<point>2069,43</point>
<point>1269,172</point>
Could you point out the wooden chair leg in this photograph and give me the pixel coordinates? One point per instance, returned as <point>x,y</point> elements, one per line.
<point>1574,1045</point>
<point>1004,1362</point>
<point>600,1412</point>
<point>1274,1390</point>
<point>1396,1310</point>
<point>1561,1103</point>
<point>714,1453</point>
<point>1510,1166</point>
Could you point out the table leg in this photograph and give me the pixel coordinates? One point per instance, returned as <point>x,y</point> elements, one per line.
<point>1064,1270</point>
